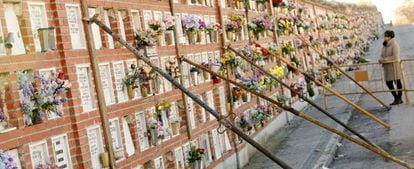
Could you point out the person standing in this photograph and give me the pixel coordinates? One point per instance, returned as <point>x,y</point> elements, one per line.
<point>390,60</point>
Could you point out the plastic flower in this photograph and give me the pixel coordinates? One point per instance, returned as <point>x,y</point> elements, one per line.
<point>169,22</point>
<point>157,26</point>
<point>2,115</point>
<point>190,23</point>
<point>279,71</point>
<point>202,24</point>
<point>6,161</point>
<point>145,38</point>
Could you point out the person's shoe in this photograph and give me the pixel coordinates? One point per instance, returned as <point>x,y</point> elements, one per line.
<point>396,102</point>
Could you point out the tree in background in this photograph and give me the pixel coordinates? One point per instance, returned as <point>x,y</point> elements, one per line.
<point>405,13</point>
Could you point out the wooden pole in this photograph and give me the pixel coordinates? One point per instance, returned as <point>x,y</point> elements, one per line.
<point>97,83</point>
<point>330,90</point>
<point>324,111</point>
<point>342,71</point>
<point>403,82</point>
<point>308,118</point>
<point>220,117</point>
<point>178,53</point>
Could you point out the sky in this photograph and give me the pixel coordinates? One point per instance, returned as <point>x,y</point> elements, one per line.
<point>386,7</point>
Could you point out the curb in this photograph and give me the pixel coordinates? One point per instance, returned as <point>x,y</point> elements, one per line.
<point>329,152</point>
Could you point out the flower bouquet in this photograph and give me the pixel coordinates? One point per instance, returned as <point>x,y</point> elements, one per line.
<point>169,23</point>
<point>234,25</point>
<point>47,166</point>
<point>144,80</point>
<point>6,161</point>
<point>214,29</point>
<point>42,95</point>
<point>229,60</point>
<point>278,3</point>
<point>191,25</point>
<point>130,83</point>
<point>195,155</point>
<point>173,69</point>
<point>3,119</point>
<point>245,124</point>
<point>158,27</point>
<point>278,71</point>
<point>144,39</point>
<point>285,26</point>
<point>258,118</point>
<point>201,31</point>
<point>261,5</point>
<point>287,49</point>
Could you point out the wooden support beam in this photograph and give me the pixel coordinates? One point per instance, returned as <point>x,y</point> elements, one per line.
<point>334,65</point>
<point>308,118</point>
<point>359,108</point>
<point>97,83</point>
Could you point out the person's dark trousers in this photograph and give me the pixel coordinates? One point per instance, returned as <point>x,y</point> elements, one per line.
<point>397,94</point>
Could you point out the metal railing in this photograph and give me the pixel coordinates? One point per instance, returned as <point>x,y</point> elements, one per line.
<point>371,76</point>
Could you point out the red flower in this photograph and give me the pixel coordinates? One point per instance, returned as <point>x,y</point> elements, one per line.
<point>277,1</point>
<point>60,76</point>
<point>264,52</point>
<point>200,150</point>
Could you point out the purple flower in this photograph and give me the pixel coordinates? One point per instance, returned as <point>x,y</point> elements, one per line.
<point>190,23</point>
<point>2,116</point>
<point>202,24</point>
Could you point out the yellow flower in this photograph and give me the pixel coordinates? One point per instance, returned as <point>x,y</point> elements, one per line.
<point>279,71</point>
<point>262,81</point>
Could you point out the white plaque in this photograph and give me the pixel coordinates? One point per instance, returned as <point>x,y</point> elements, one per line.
<point>95,146</point>
<point>85,88</point>
<point>75,26</point>
<point>119,75</point>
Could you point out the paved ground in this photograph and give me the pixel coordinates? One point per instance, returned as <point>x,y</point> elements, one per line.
<point>304,145</point>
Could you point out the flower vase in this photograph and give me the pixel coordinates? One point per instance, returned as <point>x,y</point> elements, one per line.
<point>208,2</point>
<point>36,118</point>
<point>196,164</point>
<point>175,128</point>
<point>169,37</point>
<point>230,35</point>
<point>239,35</point>
<point>154,136</point>
<point>251,33</point>
<point>244,97</point>
<point>194,78</point>
<point>191,37</point>
<point>228,105</point>
<point>213,36</point>
<point>3,125</point>
<point>144,91</point>
<point>200,35</point>
<point>159,39</point>
<point>256,35</point>
<point>104,159</point>
<point>257,126</point>
<point>301,30</point>
<point>260,6</point>
<point>131,92</point>
<point>206,75</point>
